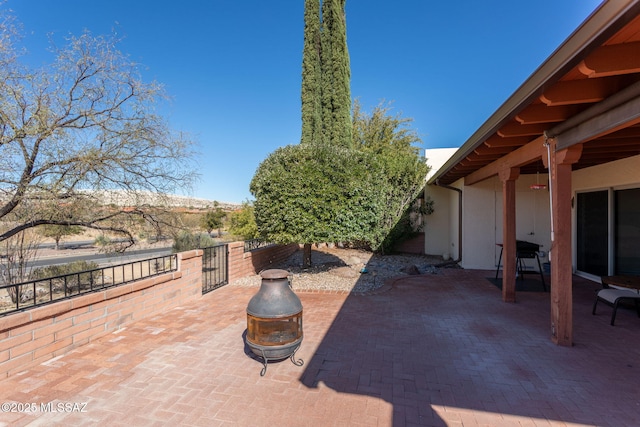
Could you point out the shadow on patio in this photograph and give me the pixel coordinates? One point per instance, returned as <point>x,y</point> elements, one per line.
<point>443,349</point>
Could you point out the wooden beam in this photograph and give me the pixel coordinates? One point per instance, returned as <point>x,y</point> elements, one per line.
<point>632,132</point>
<point>612,60</point>
<point>604,147</point>
<point>620,117</point>
<point>499,141</point>
<point>517,158</point>
<point>469,163</point>
<point>484,151</point>
<point>515,129</point>
<point>542,113</point>
<point>578,91</point>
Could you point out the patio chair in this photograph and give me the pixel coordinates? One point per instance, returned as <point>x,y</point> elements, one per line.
<point>613,296</point>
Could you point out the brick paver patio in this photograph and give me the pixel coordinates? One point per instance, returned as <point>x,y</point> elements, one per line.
<point>435,350</point>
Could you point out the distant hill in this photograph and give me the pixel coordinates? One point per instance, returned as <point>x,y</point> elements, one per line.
<point>121,198</point>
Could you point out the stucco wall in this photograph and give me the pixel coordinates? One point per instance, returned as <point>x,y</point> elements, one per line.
<point>619,174</point>
<point>533,219</point>
<point>482,220</point>
<point>482,212</point>
<point>437,227</point>
<point>478,226</point>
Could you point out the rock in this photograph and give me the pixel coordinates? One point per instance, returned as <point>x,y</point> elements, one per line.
<point>345,272</point>
<point>26,296</point>
<point>411,270</point>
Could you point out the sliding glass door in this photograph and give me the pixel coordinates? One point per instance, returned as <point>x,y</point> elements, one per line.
<point>593,232</point>
<point>608,233</point>
<point>627,232</point>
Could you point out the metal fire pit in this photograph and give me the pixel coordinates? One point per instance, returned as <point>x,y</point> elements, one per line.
<point>274,320</point>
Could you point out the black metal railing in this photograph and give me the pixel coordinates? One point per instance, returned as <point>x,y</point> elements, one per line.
<point>253,244</point>
<point>43,291</point>
<point>215,267</point>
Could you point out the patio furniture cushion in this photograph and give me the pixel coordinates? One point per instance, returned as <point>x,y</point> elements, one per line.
<point>613,296</point>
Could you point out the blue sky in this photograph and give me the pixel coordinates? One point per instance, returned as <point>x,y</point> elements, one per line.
<point>232,68</point>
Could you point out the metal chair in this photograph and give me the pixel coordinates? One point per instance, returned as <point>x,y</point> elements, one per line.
<point>613,297</point>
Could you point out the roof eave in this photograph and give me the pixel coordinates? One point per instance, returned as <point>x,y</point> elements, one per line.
<point>602,24</point>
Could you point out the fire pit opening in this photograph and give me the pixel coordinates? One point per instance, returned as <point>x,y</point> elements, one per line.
<point>274,320</point>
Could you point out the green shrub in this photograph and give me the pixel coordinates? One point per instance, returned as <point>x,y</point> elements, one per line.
<point>242,223</point>
<point>187,241</point>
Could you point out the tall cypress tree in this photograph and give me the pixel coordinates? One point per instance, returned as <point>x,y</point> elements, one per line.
<point>311,75</point>
<point>326,75</point>
<point>336,71</point>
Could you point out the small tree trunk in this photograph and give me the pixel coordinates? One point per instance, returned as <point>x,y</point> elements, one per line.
<point>57,243</point>
<point>306,255</point>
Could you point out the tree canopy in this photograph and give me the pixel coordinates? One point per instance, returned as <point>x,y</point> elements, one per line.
<point>312,193</point>
<point>311,75</point>
<point>213,219</point>
<point>316,193</point>
<point>392,140</point>
<point>83,123</point>
<point>57,232</point>
<point>351,179</point>
<point>242,223</point>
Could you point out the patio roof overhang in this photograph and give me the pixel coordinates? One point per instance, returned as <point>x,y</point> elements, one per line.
<point>587,91</point>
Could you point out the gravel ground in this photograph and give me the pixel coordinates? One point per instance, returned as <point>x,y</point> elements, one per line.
<point>333,269</point>
<point>348,270</point>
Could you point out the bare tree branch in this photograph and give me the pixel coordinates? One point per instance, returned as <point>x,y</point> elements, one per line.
<point>85,122</point>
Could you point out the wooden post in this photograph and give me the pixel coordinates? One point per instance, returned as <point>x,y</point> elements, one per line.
<point>508,177</point>
<point>561,260</point>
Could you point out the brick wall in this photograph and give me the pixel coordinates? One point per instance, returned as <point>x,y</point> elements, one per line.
<point>243,264</point>
<point>34,336</point>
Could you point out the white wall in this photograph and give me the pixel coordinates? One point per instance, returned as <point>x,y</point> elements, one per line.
<point>437,226</point>
<point>482,224</point>
<point>621,173</point>
<point>441,227</point>
<point>533,219</point>
<point>436,157</point>
<point>482,212</point>
<point>478,227</point>
<point>482,220</point>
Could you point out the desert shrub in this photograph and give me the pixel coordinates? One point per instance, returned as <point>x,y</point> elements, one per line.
<point>81,275</point>
<point>102,241</point>
<point>242,223</point>
<point>186,241</point>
